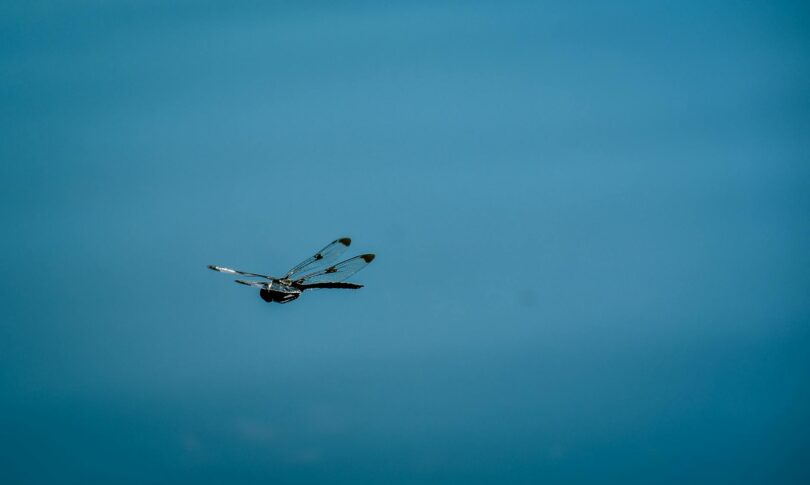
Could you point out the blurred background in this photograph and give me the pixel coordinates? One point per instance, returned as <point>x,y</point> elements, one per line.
<point>591,222</point>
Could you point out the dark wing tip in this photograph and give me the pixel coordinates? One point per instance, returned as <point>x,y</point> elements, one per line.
<point>345,241</point>
<point>368,257</point>
<point>211,266</point>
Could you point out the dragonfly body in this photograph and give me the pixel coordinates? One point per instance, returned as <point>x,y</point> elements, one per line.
<point>269,295</point>
<point>314,272</point>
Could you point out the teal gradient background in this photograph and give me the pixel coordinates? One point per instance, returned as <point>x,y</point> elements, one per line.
<point>591,222</point>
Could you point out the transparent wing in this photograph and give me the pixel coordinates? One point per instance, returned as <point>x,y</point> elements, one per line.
<point>236,271</point>
<point>270,285</point>
<point>257,284</point>
<point>338,272</point>
<point>281,287</point>
<point>323,257</point>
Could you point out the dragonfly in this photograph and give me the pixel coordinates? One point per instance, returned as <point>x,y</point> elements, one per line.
<point>315,272</point>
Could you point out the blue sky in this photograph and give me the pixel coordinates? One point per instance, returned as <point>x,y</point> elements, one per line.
<point>591,223</point>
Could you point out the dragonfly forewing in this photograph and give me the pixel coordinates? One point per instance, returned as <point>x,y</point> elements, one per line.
<point>323,257</point>
<point>338,272</point>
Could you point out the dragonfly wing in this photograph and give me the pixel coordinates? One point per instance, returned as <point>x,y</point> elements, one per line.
<point>236,271</point>
<point>256,284</point>
<point>282,288</point>
<point>323,257</point>
<point>337,272</point>
<point>270,285</point>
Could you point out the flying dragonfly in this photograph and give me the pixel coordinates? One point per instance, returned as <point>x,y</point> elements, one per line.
<point>312,273</point>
